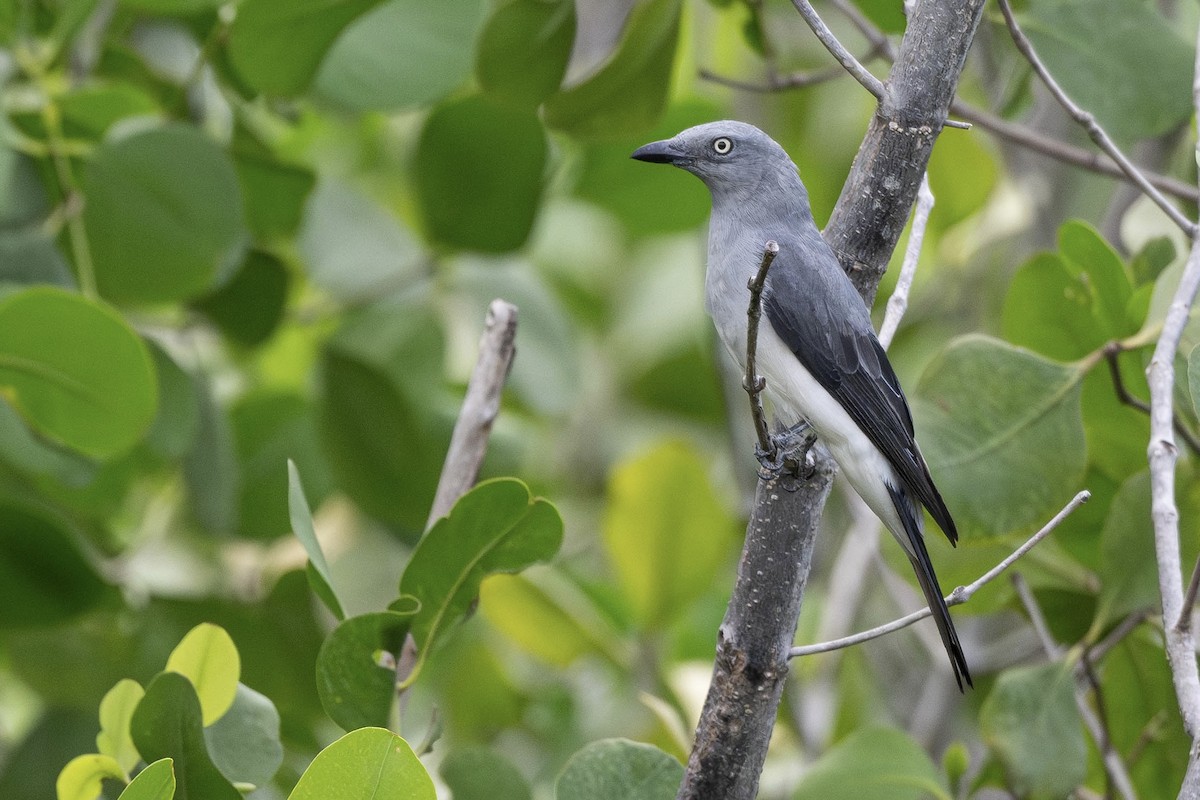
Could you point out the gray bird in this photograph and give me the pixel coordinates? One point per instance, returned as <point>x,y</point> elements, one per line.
<point>817,350</point>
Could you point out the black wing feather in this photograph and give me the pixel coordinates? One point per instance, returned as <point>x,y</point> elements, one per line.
<point>843,354</point>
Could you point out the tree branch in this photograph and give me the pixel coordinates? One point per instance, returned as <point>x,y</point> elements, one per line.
<point>960,595</point>
<point>1089,123</point>
<point>838,50</point>
<point>754,383</point>
<point>898,303</point>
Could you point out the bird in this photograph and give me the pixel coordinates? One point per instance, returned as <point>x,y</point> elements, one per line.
<point>816,347</point>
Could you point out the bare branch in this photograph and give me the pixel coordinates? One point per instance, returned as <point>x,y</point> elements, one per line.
<point>1189,599</point>
<point>754,383</point>
<point>898,302</point>
<point>1089,123</point>
<point>1111,351</point>
<point>838,50</point>
<point>957,597</point>
<point>1098,651</point>
<point>468,443</point>
<point>1114,767</point>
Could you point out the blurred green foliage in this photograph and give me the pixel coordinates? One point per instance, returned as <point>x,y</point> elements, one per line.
<point>238,234</point>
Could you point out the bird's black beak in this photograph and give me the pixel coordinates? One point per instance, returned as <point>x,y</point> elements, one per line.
<point>659,153</point>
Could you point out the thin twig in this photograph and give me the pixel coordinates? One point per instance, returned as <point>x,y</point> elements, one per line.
<point>898,303</point>
<point>1089,123</point>
<point>1111,351</point>
<point>838,50</point>
<point>957,597</point>
<point>468,443</point>
<point>774,82</point>
<point>1128,625</point>
<point>754,383</point>
<point>1189,599</point>
<point>1114,767</point>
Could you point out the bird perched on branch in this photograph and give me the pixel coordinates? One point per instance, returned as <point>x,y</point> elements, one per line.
<point>817,348</point>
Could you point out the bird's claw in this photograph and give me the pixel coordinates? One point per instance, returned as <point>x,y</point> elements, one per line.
<point>788,454</point>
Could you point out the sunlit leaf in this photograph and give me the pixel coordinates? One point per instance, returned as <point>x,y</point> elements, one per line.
<point>1049,310</point>
<point>542,624</point>
<point>1030,722</point>
<point>116,709</point>
<point>366,763</point>
<point>1085,250</point>
<point>75,371</point>
<point>155,782</point>
<point>81,778</point>
<point>1002,431</point>
<point>209,659</point>
<point>873,764</point>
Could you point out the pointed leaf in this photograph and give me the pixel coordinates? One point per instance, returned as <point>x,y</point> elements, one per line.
<point>1031,723</point>
<point>75,371</point>
<point>155,782</point>
<point>116,709</point>
<point>496,527</point>
<point>1085,249</point>
<point>366,764</point>
<point>619,768</point>
<point>81,778</point>
<point>319,576</point>
<point>209,659</point>
<point>167,724</point>
<point>1002,431</point>
<point>873,764</point>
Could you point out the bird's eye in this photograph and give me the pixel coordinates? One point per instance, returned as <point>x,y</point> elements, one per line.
<point>722,145</point>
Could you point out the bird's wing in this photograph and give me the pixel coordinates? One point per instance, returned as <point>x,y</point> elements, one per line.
<point>840,350</point>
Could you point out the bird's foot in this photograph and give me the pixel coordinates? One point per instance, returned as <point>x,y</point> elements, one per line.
<point>789,454</point>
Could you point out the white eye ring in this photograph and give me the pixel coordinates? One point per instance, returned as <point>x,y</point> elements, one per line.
<point>722,145</point>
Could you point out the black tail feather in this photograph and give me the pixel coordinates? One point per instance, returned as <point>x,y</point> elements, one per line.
<point>928,581</point>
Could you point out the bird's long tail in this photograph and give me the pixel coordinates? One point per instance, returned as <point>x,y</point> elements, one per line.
<point>919,556</point>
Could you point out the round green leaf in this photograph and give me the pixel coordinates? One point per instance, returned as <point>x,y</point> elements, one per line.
<point>354,680</point>
<point>116,709</point>
<point>155,782</point>
<point>163,215</point>
<point>366,763</point>
<point>81,778</point>
<point>244,743</point>
<point>1049,309</point>
<point>873,764</point>
<point>538,622</point>
<point>476,773</point>
<point>651,498</point>
<point>276,46</point>
<point>619,768</point>
<point>44,578</point>
<point>479,174</point>
<point>524,49</point>
<point>275,193</point>
<point>208,658</point>
<point>1031,723</point>
<point>250,306</point>
<point>404,53</point>
<point>75,371</point>
<point>1003,433</point>
<point>178,417</point>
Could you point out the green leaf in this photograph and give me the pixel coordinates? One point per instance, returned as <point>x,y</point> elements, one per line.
<point>404,53</point>
<point>1085,250</point>
<point>556,627</point>
<point>319,576</point>
<point>496,527</point>
<point>1031,723</point>
<point>173,6</point>
<point>155,782</point>
<point>1128,567</point>
<point>81,778</point>
<point>1193,362</point>
<point>167,724</point>
<point>479,174</point>
<point>272,427</point>
<point>1048,308</point>
<point>628,93</point>
<point>873,764</point>
<point>211,467</point>
<point>163,215</point>
<point>366,763</point>
<point>887,15</point>
<point>1149,262</point>
<point>30,256</point>
<point>249,307</point>
<point>276,46</point>
<point>44,578</point>
<point>355,680</point>
<point>1002,431</point>
<point>275,193</point>
<point>209,659</point>
<point>178,418</point>
<point>1119,59</point>
<point>244,743</point>
<point>524,49</point>
<point>116,710</point>
<point>477,773</point>
<point>651,499</point>
<point>619,768</point>
<point>648,200</point>
<point>962,175</point>
<point>75,371</point>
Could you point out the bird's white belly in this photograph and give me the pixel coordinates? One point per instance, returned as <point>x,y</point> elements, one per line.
<point>798,395</point>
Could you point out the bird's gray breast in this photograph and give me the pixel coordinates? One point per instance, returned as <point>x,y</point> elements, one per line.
<point>735,250</point>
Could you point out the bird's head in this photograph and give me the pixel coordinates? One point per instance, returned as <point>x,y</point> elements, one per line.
<point>726,155</point>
